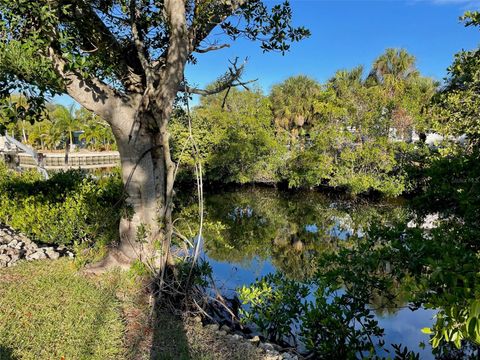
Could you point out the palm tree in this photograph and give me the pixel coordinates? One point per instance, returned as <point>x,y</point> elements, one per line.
<point>18,110</point>
<point>397,63</point>
<point>40,134</point>
<point>96,131</point>
<point>293,103</point>
<point>65,121</point>
<point>345,80</point>
<point>91,134</point>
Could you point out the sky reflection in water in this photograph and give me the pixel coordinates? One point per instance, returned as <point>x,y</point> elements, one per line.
<point>263,230</point>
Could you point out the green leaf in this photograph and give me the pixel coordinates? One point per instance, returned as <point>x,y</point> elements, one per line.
<point>427,331</point>
<point>472,326</point>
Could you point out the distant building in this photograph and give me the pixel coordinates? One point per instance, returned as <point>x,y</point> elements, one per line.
<point>77,142</point>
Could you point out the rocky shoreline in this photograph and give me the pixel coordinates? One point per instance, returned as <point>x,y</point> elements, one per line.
<point>269,351</point>
<point>15,247</point>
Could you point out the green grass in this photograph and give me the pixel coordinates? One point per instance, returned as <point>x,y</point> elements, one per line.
<point>169,339</point>
<point>48,311</point>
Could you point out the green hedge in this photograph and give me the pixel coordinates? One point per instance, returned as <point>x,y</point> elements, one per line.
<point>71,207</point>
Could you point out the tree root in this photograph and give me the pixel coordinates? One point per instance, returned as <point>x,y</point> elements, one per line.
<point>114,259</point>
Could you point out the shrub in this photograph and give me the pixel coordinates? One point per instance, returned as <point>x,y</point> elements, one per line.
<point>69,208</point>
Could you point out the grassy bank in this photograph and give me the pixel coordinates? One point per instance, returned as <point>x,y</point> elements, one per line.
<point>49,310</point>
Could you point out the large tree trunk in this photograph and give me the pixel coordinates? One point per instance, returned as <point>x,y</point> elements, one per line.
<point>139,228</point>
<point>140,126</point>
<point>147,175</point>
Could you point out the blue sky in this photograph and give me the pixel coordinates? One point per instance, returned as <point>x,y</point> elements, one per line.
<point>347,33</point>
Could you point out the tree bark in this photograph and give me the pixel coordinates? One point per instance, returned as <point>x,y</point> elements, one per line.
<point>140,125</point>
<point>147,174</point>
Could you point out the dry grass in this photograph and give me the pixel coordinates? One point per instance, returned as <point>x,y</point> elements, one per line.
<point>176,338</point>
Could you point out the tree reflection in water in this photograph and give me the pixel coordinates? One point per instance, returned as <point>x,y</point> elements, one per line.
<point>363,250</point>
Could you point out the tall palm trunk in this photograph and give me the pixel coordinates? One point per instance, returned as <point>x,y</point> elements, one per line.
<point>23,132</point>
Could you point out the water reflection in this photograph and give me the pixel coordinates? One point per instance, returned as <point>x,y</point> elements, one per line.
<point>289,230</point>
<point>252,232</point>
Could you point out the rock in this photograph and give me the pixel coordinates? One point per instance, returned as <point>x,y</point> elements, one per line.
<point>52,254</point>
<point>237,337</point>
<point>16,246</point>
<point>254,340</point>
<point>31,246</point>
<point>7,238</point>
<point>225,328</point>
<point>266,346</point>
<point>13,243</point>
<point>4,260</point>
<point>221,333</point>
<point>272,355</point>
<point>11,251</point>
<point>213,327</point>
<point>14,258</point>
<point>39,255</point>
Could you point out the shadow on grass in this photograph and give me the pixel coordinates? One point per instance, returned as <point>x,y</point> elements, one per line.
<point>6,353</point>
<point>169,341</point>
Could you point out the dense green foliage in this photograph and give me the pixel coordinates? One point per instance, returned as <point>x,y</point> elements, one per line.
<point>54,127</point>
<point>347,133</point>
<point>69,208</point>
<point>457,106</point>
<point>331,321</point>
<point>451,187</point>
<point>353,132</point>
<point>430,267</point>
<point>236,142</point>
<point>323,297</point>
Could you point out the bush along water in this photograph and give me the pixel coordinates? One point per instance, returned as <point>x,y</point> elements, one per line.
<point>334,311</point>
<point>325,318</point>
<point>70,208</point>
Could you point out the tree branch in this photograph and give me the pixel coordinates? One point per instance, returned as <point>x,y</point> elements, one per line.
<point>232,78</point>
<point>201,28</point>
<point>91,93</point>
<point>215,90</point>
<point>138,41</point>
<point>95,32</point>
<point>212,48</point>
<point>176,56</point>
